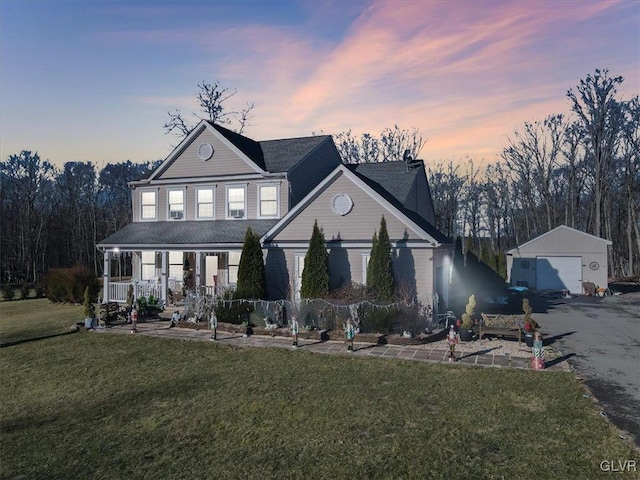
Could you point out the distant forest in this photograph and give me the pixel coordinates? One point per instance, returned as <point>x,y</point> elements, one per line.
<point>581,170</point>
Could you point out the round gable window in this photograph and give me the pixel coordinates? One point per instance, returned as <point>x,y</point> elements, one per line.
<point>205,151</point>
<point>341,204</point>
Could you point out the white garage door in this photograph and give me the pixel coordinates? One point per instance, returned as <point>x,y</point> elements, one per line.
<point>559,273</point>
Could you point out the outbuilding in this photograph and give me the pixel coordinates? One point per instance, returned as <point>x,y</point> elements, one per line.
<point>561,259</point>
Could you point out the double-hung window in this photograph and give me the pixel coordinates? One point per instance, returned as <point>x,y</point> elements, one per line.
<point>148,266</point>
<point>176,204</point>
<point>234,263</point>
<point>236,201</point>
<point>148,205</point>
<point>268,201</point>
<point>204,202</point>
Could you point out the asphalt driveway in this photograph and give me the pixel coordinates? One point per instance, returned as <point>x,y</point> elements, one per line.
<point>601,339</point>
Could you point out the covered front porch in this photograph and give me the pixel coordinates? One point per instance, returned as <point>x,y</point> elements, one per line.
<point>168,274</point>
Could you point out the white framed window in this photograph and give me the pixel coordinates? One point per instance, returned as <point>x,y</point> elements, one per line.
<point>205,207</point>
<point>365,266</point>
<point>176,264</point>
<point>148,205</point>
<point>268,200</point>
<point>148,264</point>
<point>176,204</point>
<point>236,201</point>
<point>234,263</point>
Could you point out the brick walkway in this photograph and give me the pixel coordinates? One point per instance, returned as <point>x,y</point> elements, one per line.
<point>424,353</point>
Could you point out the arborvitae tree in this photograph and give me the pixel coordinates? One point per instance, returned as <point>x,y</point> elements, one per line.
<point>372,267</point>
<point>380,263</point>
<point>315,276</point>
<point>251,274</point>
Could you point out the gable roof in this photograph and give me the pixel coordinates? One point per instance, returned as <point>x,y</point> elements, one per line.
<point>555,230</point>
<point>274,156</point>
<point>188,233</point>
<point>394,182</point>
<point>416,222</point>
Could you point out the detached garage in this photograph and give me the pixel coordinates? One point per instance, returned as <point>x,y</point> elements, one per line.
<point>561,259</point>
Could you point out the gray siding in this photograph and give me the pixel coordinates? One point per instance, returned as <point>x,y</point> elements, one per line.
<point>413,267</point>
<point>224,161</point>
<point>359,224</point>
<point>563,242</point>
<point>307,174</point>
<point>220,193</point>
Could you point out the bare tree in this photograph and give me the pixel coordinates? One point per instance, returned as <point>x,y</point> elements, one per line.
<point>600,115</point>
<point>212,100</point>
<point>390,146</point>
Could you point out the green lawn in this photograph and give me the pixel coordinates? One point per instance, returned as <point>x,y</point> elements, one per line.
<point>90,405</point>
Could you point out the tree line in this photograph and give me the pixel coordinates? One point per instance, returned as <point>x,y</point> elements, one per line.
<point>580,169</point>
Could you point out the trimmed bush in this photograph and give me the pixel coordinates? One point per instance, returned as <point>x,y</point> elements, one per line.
<point>252,283</point>
<point>24,291</point>
<point>315,276</point>
<point>380,269</point>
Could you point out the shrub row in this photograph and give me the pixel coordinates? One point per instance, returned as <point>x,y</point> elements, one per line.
<point>68,284</point>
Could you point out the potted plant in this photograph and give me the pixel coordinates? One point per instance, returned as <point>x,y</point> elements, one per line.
<point>89,310</point>
<point>530,325</point>
<point>466,325</point>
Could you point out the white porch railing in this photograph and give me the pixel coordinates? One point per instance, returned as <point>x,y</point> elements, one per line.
<point>118,290</point>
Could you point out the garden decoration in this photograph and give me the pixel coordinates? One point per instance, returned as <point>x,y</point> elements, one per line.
<point>537,360</point>
<point>466,325</point>
<point>213,323</point>
<point>134,319</point>
<point>349,333</point>
<point>294,330</point>
<point>175,318</point>
<point>530,325</point>
<point>452,340</point>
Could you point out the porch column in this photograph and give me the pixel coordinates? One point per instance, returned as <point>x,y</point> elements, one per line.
<point>106,273</point>
<point>198,269</point>
<point>163,275</point>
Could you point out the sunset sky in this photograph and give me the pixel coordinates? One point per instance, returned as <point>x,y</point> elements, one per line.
<point>93,80</point>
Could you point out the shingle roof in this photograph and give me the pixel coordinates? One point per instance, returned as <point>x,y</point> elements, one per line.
<point>273,155</point>
<point>186,233</point>
<point>394,182</point>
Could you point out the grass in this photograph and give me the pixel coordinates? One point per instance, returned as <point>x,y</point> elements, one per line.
<point>90,405</point>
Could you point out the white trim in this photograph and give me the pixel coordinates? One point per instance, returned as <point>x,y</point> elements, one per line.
<point>345,244</point>
<point>342,170</point>
<point>156,204</point>
<point>259,186</point>
<point>365,266</point>
<point>563,227</point>
<point>189,139</point>
<point>215,179</point>
<point>213,189</point>
<point>244,186</point>
<point>184,204</point>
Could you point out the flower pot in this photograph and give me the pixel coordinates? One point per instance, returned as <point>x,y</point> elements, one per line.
<point>89,322</point>
<point>528,339</point>
<point>465,335</point>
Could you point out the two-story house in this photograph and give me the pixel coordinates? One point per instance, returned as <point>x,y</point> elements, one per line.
<point>194,210</point>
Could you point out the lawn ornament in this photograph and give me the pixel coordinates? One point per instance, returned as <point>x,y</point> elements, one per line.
<point>537,360</point>
<point>294,330</point>
<point>349,333</point>
<point>452,341</point>
<point>134,319</point>
<point>213,323</point>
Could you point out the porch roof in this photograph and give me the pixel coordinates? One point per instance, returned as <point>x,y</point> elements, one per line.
<point>186,233</point>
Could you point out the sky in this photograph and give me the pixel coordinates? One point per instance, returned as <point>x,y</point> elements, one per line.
<point>94,80</point>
